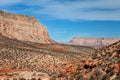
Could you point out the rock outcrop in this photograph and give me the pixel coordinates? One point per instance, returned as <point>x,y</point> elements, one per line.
<point>94,42</point>
<point>24,28</point>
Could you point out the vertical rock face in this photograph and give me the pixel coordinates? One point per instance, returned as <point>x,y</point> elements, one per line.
<point>94,42</point>
<point>23,28</point>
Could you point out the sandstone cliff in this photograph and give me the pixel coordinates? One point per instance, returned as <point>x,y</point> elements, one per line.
<point>23,28</point>
<point>93,42</point>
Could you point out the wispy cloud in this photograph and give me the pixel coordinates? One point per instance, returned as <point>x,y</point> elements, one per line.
<point>9,2</point>
<point>74,10</point>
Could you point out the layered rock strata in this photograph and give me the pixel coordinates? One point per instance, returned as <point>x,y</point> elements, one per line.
<point>23,28</point>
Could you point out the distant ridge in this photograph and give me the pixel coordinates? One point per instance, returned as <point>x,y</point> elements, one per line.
<point>93,42</point>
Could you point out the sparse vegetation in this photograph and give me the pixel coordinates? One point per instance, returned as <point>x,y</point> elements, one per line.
<point>71,62</point>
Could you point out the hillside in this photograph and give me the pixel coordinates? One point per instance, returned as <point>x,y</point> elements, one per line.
<point>104,64</point>
<point>62,61</point>
<point>39,57</point>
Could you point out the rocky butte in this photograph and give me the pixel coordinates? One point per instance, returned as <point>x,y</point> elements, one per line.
<point>93,42</point>
<point>23,28</point>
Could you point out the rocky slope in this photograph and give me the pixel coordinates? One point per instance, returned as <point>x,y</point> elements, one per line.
<point>60,61</point>
<point>94,42</point>
<point>104,64</point>
<point>39,57</point>
<point>24,28</point>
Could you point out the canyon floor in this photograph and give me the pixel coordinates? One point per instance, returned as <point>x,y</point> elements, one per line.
<point>58,61</point>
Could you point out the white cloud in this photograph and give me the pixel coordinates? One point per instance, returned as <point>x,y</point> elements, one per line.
<point>74,10</point>
<point>82,10</point>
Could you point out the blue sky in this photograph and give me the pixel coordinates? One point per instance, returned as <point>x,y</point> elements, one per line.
<point>66,19</point>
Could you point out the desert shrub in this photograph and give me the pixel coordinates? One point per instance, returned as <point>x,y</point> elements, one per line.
<point>109,70</point>
<point>39,79</point>
<point>51,73</point>
<point>92,77</point>
<point>96,56</point>
<point>72,74</point>
<point>60,75</point>
<point>112,73</point>
<point>33,79</point>
<point>53,79</point>
<point>22,79</point>
<point>106,77</point>
<point>117,77</point>
<point>97,75</point>
<point>80,77</point>
<point>78,68</point>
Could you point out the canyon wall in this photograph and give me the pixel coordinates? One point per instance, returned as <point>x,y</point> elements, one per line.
<point>24,28</point>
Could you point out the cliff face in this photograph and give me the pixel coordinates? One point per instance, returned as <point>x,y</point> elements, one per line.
<point>94,42</point>
<point>23,28</point>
